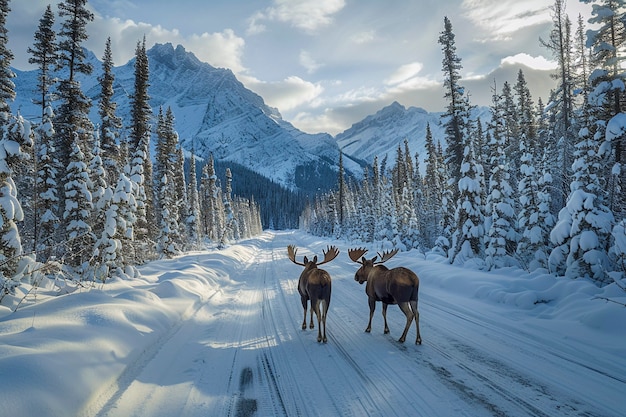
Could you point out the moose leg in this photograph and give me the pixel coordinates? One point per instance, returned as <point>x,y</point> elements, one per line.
<point>316,307</point>
<point>311,325</point>
<point>385,317</point>
<point>372,304</point>
<point>304,301</point>
<point>409,318</point>
<point>324,311</point>
<point>418,339</point>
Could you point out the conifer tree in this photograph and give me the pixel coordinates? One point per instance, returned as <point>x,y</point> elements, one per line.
<point>46,187</point>
<point>467,240</point>
<point>607,41</point>
<point>140,164</point>
<point>167,240</point>
<point>15,143</point>
<point>433,191</point>
<point>454,115</point>
<point>44,56</point>
<point>194,217</point>
<point>230,223</point>
<point>110,123</point>
<point>73,113</point>
<point>560,45</point>
<point>77,210</point>
<point>501,236</point>
<point>7,87</point>
<point>99,189</point>
<point>182,199</point>
<point>126,207</point>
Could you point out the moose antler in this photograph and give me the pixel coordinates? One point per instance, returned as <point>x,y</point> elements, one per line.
<point>356,254</point>
<point>385,256</point>
<point>330,254</point>
<point>291,253</point>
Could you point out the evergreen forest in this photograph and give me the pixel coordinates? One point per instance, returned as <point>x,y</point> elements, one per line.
<point>534,186</point>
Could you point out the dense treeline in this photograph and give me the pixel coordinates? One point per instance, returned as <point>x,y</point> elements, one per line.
<point>280,207</point>
<point>534,186</point>
<point>89,200</point>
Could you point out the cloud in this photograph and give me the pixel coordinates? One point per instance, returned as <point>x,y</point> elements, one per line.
<point>538,62</point>
<point>307,15</point>
<point>221,49</point>
<point>501,18</point>
<point>404,73</point>
<point>286,94</point>
<point>307,61</point>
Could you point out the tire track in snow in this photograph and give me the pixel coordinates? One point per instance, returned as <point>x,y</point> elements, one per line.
<point>501,387</point>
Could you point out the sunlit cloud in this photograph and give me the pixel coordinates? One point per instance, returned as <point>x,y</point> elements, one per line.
<point>499,19</point>
<point>538,62</point>
<point>286,94</point>
<point>307,15</point>
<point>407,78</point>
<point>221,49</point>
<point>404,73</point>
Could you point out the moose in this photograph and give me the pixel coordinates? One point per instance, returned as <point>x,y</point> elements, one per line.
<point>315,285</point>
<point>391,286</point>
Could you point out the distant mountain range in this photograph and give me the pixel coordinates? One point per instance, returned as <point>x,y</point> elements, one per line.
<point>215,114</point>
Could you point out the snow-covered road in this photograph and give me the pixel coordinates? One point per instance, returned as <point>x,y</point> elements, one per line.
<point>240,351</point>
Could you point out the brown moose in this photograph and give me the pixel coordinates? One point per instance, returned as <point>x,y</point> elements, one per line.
<point>391,286</point>
<point>315,285</point>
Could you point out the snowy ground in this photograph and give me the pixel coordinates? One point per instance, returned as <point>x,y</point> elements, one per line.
<point>217,333</point>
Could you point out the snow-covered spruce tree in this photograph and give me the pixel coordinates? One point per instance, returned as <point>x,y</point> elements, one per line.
<point>529,249</point>
<point>501,237</point>
<point>78,206</point>
<point>563,135</point>
<point>73,113</point>
<point>193,220</point>
<point>46,187</point>
<point>140,163</point>
<point>526,115</point>
<point>453,118</point>
<point>607,41</point>
<point>467,240</point>
<point>454,121</point>
<point>582,232</point>
<point>182,199</point>
<point>163,158</point>
<point>433,191</point>
<point>99,187</point>
<point>124,198</point>
<point>167,240</point>
<point>15,138</point>
<point>230,225</point>
<point>44,56</point>
<point>211,203</point>
<point>7,87</point>
<point>110,123</point>
<point>107,254</point>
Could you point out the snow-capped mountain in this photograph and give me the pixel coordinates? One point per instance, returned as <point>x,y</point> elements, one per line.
<point>214,114</point>
<point>381,133</point>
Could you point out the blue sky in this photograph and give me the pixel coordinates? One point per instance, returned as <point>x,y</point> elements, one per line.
<point>326,64</point>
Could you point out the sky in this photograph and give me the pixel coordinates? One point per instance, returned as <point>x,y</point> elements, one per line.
<point>218,333</point>
<point>326,64</point>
